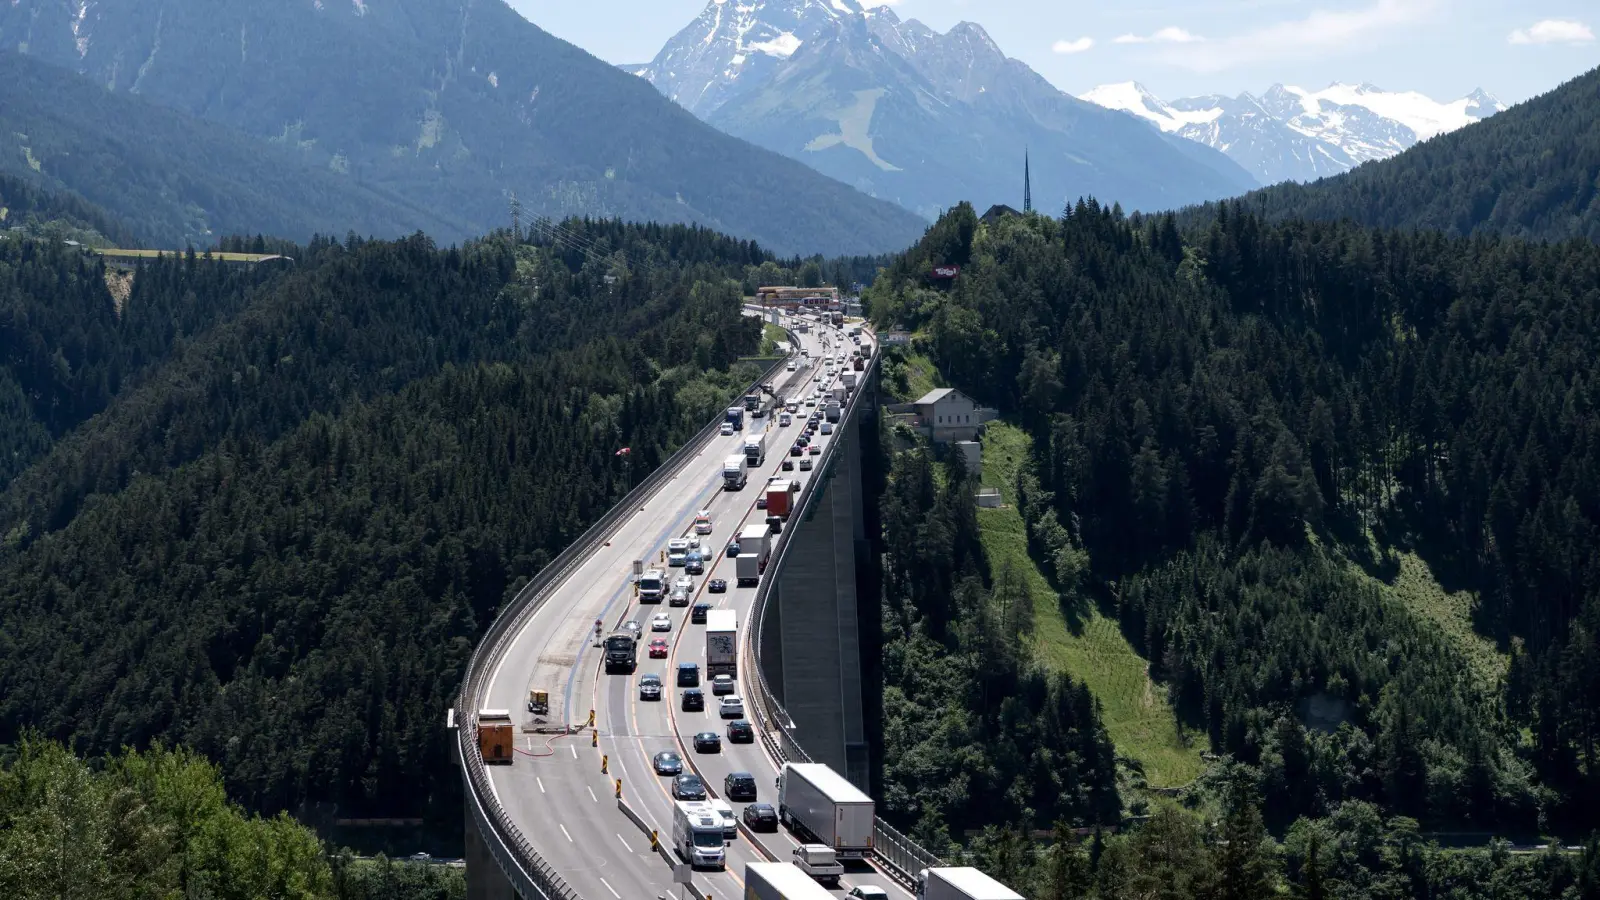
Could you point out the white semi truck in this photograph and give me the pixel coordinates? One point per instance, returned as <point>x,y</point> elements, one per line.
<point>961,883</point>
<point>820,806</point>
<point>735,471</point>
<point>697,835</point>
<point>755,449</point>
<point>722,642</point>
<point>755,545</point>
<point>780,881</point>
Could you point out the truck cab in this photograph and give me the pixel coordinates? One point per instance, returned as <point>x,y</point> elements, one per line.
<point>819,861</point>
<point>677,552</point>
<point>652,586</point>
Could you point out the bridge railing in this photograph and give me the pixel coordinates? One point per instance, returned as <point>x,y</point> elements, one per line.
<point>901,856</point>
<point>522,864</point>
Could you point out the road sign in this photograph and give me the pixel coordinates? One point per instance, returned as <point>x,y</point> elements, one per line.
<point>682,874</point>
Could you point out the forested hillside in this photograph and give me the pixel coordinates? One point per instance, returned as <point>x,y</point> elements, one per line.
<point>1237,431</point>
<point>158,824</point>
<point>178,180</point>
<point>1531,171</point>
<point>974,732</point>
<point>26,210</point>
<point>277,543</point>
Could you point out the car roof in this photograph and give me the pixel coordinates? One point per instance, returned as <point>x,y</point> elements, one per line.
<point>684,665</point>
<point>650,676</point>
<point>740,775</point>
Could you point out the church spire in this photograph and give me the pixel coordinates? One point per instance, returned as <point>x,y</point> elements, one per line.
<point>1027,184</point>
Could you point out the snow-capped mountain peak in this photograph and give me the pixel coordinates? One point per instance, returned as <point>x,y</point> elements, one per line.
<point>701,66</point>
<point>1299,134</point>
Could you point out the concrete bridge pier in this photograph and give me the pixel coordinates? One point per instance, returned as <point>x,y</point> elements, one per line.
<point>811,650</point>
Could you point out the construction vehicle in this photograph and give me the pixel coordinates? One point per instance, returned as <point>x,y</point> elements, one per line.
<point>495,737</point>
<point>539,702</point>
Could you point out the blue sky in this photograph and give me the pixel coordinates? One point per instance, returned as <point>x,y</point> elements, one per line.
<point>1443,48</point>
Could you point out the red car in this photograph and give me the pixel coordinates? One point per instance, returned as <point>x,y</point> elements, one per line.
<point>815,449</point>
<point>658,649</point>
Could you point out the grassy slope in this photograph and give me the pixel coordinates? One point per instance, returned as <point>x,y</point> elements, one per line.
<point>1406,579</point>
<point>1135,709</point>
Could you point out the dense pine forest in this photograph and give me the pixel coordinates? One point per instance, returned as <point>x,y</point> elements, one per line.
<point>1236,430</point>
<point>270,509</point>
<point>1532,171</point>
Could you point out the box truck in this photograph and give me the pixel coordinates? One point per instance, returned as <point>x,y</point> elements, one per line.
<point>735,472</point>
<point>850,378</point>
<point>755,449</point>
<point>722,642</point>
<point>781,496</point>
<point>755,545</point>
<point>697,835</point>
<point>961,883</point>
<point>780,881</point>
<point>495,737</point>
<point>652,585</point>
<point>839,394</point>
<point>831,414</point>
<point>820,806</point>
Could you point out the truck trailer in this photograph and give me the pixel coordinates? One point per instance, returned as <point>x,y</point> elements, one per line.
<point>780,881</point>
<point>820,806</point>
<point>781,497</point>
<point>697,835</point>
<point>960,883</point>
<point>722,642</point>
<point>755,449</point>
<point>735,471</point>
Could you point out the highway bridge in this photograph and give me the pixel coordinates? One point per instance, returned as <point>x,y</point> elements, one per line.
<point>552,824</point>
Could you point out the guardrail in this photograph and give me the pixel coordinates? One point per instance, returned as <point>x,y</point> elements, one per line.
<point>900,856</point>
<point>510,848</point>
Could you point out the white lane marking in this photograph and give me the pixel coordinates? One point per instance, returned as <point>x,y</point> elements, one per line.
<point>574,751</point>
<point>541,783</point>
<point>591,794</point>
<point>623,842</point>
<point>564,831</point>
<point>611,889</point>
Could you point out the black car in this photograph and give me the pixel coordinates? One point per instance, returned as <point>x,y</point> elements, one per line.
<point>740,732</point>
<point>667,763</point>
<point>761,503</point>
<point>788,465</point>
<point>688,674</point>
<point>796,450</point>
<point>688,787</point>
<point>694,700</point>
<point>775,523</point>
<point>761,817</point>
<point>733,549</point>
<point>717,586</point>
<point>739,786</point>
<point>697,616</point>
<point>707,742</point>
<point>694,566</point>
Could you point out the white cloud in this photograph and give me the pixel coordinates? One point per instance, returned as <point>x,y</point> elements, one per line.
<point>1322,33</point>
<point>1077,46</point>
<point>1553,31</point>
<point>1172,34</point>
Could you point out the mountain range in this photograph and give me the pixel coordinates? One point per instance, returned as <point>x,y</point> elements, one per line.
<point>1291,134</point>
<point>924,119</point>
<point>448,107</point>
